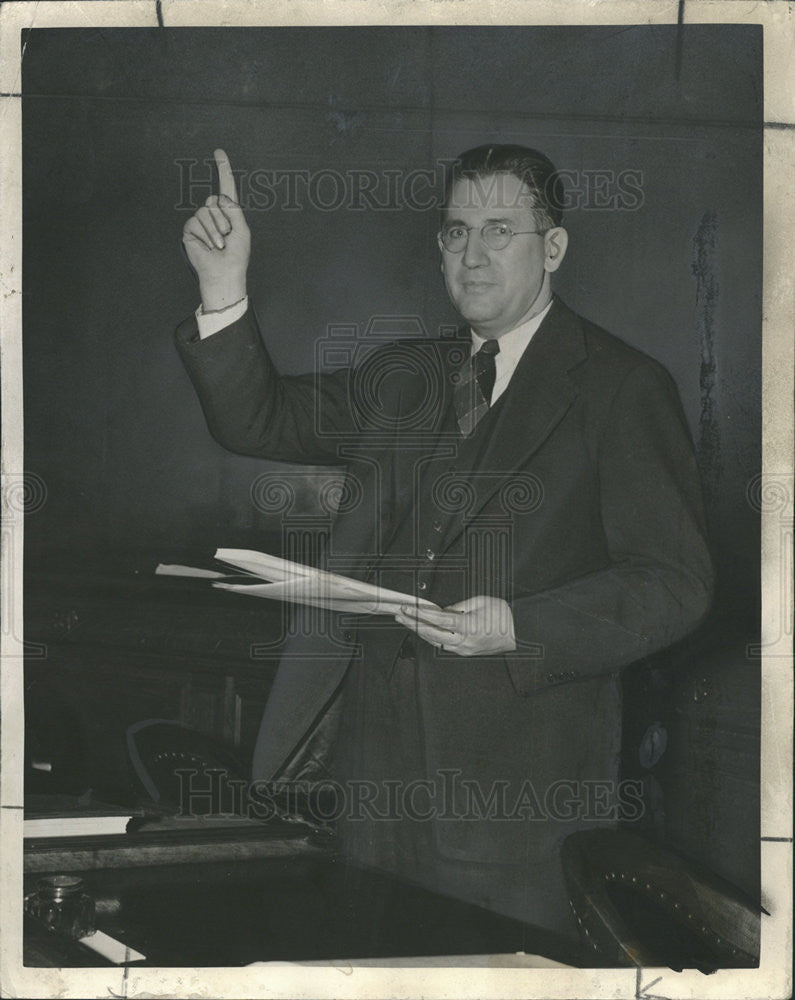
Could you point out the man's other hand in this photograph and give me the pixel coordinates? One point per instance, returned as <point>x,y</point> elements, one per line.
<point>218,242</point>
<point>476,627</point>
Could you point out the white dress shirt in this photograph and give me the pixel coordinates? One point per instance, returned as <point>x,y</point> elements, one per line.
<point>512,347</point>
<point>512,344</point>
<point>212,322</point>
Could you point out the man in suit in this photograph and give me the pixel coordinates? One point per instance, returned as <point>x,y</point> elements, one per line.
<point>535,480</point>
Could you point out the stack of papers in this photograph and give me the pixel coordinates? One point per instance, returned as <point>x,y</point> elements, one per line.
<point>283,580</point>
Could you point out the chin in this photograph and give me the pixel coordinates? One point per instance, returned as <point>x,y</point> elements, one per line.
<point>472,313</point>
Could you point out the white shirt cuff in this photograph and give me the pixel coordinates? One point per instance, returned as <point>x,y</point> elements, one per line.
<point>210,323</point>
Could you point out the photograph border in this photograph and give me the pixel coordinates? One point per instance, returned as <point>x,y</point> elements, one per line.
<point>773,978</point>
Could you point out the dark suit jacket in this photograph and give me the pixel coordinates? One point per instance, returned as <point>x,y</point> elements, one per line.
<point>583,471</point>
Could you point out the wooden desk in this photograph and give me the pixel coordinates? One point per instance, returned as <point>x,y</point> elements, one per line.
<point>298,906</point>
<point>176,841</point>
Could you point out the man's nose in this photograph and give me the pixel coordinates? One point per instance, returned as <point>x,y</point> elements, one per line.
<point>475,254</point>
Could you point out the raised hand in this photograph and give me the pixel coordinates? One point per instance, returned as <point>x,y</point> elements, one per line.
<point>218,242</point>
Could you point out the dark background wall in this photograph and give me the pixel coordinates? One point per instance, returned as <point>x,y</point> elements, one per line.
<point>668,258</point>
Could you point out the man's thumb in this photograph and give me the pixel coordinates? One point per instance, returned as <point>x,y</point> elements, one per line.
<point>228,204</point>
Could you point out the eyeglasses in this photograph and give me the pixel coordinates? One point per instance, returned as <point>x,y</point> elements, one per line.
<point>496,236</point>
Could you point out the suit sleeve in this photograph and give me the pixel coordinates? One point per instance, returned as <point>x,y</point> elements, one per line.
<point>658,584</point>
<point>252,410</point>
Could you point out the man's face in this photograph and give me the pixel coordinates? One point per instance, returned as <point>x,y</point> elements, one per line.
<point>497,290</point>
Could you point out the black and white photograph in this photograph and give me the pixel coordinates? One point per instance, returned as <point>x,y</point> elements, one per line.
<point>397,500</point>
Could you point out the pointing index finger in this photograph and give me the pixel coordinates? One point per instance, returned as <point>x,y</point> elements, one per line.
<point>226,179</point>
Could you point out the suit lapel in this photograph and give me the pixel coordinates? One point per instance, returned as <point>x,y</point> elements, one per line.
<point>431,445</point>
<point>540,392</point>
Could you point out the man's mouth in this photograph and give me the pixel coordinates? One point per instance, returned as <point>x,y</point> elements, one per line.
<point>476,286</point>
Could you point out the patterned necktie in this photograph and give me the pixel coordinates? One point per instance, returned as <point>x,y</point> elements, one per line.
<point>474,384</point>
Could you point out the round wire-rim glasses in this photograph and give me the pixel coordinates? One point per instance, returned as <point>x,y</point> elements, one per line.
<point>496,236</point>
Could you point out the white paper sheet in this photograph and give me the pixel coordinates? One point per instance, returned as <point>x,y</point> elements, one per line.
<point>296,583</point>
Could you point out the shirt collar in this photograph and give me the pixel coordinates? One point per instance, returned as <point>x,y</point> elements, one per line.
<point>513,343</point>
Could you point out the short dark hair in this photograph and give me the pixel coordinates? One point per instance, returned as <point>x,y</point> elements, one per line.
<point>533,168</point>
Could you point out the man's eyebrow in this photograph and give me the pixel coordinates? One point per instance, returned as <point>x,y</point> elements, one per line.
<point>495,218</point>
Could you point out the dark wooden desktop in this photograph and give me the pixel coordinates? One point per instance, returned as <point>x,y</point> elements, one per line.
<point>278,895</point>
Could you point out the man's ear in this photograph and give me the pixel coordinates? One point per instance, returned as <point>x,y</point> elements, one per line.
<point>556,242</point>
